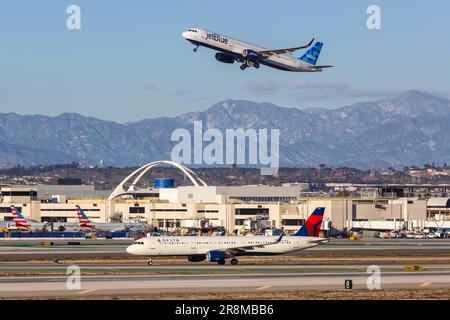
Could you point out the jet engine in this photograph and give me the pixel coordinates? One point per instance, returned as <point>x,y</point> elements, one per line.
<point>214,256</point>
<point>197,258</point>
<point>225,58</point>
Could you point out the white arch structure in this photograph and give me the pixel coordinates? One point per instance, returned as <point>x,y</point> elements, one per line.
<point>139,173</point>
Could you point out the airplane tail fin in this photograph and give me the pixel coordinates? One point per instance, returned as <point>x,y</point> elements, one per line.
<point>312,226</point>
<point>312,55</point>
<point>84,221</point>
<point>19,219</point>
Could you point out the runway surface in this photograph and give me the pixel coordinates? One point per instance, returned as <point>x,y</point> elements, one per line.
<point>205,267</point>
<point>46,286</point>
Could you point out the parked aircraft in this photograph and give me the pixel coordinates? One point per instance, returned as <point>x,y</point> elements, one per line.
<point>87,224</point>
<point>23,224</point>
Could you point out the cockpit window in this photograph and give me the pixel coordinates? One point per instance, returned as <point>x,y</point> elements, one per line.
<point>139,242</point>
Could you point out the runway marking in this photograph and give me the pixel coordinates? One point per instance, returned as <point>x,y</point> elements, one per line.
<point>263,288</point>
<point>87,291</point>
<point>425,284</point>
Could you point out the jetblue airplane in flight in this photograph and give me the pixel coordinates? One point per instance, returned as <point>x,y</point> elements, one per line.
<point>217,249</point>
<point>231,50</point>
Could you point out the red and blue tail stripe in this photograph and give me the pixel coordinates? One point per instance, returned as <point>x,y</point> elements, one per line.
<point>312,226</point>
<point>19,219</point>
<point>84,221</point>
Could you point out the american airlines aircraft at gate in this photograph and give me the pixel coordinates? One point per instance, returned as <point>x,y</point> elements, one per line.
<point>218,249</point>
<point>231,50</point>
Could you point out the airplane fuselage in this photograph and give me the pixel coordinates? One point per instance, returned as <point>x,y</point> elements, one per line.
<point>114,227</point>
<point>236,48</point>
<point>191,246</point>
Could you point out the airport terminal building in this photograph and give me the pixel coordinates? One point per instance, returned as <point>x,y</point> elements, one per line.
<point>235,208</point>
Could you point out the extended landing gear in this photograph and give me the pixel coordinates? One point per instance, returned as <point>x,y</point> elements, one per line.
<point>221,262</point>
<point>245,65</point>
<point>195,49</point>
<point>150,261</point>
<point>234,261</point>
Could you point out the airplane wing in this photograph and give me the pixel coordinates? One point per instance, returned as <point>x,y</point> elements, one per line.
<point>268,53</point>
<point>233,251</point>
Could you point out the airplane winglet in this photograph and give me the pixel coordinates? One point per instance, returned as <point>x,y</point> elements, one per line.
<point>281,237</point>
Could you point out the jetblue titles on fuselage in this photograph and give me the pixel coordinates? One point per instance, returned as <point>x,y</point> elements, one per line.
<point>216,37</point>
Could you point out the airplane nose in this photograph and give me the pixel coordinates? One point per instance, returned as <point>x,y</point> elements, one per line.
<point>130,249</point>
<point>185,34</point>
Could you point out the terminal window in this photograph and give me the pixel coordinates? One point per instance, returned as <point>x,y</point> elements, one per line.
<point>252,211</point>
<point>137,209</point>
<point>32,194</point>
<point>293,222</point>
<point>53,219</point>
<point>8,209</point>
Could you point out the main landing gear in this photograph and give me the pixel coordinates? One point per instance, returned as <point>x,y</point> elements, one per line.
<point>150,261</point>
<point>247,64</point>
<point>233,261</point>
<point>195,49</point>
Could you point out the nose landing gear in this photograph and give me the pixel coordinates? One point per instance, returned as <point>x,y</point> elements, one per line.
<point>150,261</point>
<point>195,49</point>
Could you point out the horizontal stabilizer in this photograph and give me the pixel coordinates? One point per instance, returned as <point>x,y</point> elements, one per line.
<point>321,67</point>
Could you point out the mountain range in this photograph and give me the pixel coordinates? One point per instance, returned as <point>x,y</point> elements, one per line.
<point>411,128</point>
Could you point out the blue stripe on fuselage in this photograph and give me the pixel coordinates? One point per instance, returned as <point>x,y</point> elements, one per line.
<point>264,62</point>
<point>249,253</point>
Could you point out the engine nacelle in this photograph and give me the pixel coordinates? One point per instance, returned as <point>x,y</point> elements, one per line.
<point>225,58</point>
<point>197,258</point>
<point>251,55</point>
<point>214,256</point>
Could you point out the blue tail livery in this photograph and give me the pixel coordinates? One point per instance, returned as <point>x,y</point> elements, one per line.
<point>312,226</point>
<point>312,55</point>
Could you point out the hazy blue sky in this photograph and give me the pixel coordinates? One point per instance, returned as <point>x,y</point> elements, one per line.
<point>130,62</point>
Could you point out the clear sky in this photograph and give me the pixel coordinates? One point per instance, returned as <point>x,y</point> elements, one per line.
<point>129,61</point>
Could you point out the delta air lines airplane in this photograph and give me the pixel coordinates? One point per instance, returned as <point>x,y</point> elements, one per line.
<point>249,55</point>
<point>218,249</point>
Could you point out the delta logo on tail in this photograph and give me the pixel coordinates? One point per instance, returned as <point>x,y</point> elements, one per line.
<point>19,219</point>
<point>312,226</point>
<point>84,221</point>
